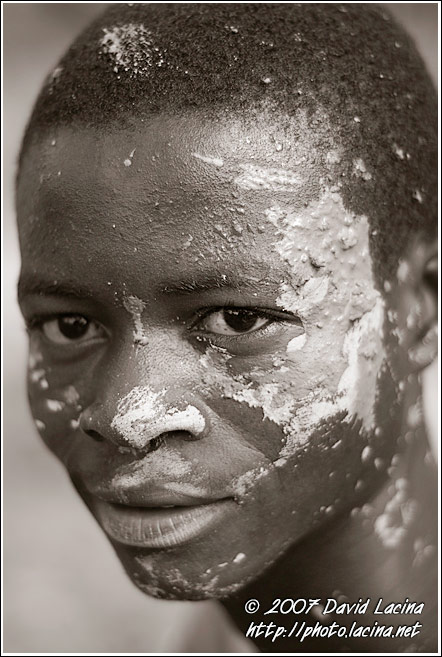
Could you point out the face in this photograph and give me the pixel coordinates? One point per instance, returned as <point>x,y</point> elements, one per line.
<point>208,350</point>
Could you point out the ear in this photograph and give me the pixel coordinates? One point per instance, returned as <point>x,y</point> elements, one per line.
<point>417,304</point>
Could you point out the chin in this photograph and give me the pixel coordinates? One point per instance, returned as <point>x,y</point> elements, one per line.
<point>172,579</point>
<point>174,586</point>
<point>196,592</point>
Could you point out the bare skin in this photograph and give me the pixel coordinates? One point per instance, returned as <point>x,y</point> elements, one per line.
<point>206,331</point>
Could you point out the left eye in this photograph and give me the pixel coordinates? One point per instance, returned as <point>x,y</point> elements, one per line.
<point>234,321</point>
<point>68,329</point>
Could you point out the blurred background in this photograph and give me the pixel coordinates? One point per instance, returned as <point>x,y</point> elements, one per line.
<point>64,590</point>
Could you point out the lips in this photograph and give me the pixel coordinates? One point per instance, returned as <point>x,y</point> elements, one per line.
<point>161,526</point>
<point>141,506</point>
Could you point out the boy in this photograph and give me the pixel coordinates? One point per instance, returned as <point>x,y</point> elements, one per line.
<point>227,223</point>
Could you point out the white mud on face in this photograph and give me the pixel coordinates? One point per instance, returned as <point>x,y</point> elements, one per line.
<point>331,368</point>
<point>331,285</point>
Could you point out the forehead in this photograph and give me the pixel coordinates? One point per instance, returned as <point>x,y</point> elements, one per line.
<point>191,192</point>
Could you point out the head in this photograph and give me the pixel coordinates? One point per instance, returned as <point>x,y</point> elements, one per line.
<point>227,216</point>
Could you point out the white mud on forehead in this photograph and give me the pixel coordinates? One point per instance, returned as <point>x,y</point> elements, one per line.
<point>214,161</point>
<point>277,180</point>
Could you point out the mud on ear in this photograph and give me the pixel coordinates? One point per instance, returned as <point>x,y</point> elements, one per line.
<point>417,305</point>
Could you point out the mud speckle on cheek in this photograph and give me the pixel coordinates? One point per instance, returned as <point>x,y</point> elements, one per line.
<point>296,343</point>
<point>54,408</point>
<point>400,512</point>
<point>55,405</point>
<point>415,415</point>
<point>71,395</point>
<point>39,376</point>
<point>36,372</point>
<point>367,454</point>
<point>426,350</point>
<point>50,403</point>
<point>423,551</point>
<point>35,356</point>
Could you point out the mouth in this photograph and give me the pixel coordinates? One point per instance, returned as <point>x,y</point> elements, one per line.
<point>159,527</point>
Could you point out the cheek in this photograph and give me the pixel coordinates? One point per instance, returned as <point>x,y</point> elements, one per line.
<point>316,415</point>
<point>334,367</point>
<point>332,372</point>
<point>250,426</point>
<point>55,402</point>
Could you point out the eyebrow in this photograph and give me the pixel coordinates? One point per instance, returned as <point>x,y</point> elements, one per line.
<point>220,281</point>
<point>29,286</point>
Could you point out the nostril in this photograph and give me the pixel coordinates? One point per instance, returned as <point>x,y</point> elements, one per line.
<point>186,435</point>
<point>180,435</point>
<point>156,442</point>
<point>94,434</point>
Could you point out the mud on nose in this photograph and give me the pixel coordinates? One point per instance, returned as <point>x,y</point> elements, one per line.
<point>143,419</point>
<point>151,432</point>
<point>144,416</point>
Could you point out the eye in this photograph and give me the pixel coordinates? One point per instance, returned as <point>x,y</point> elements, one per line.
<point>69,329</point>
<point>234,321</point>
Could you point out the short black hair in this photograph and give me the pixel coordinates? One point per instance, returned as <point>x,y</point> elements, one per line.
<point>351,60</point>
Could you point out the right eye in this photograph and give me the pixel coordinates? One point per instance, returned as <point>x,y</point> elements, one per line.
<point>71,329</point>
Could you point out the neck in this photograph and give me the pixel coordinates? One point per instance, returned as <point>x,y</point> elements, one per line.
<point>385,549</point>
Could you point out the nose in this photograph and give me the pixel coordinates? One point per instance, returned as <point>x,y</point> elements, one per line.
<point>143,394</point>
<point>144,418</point>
